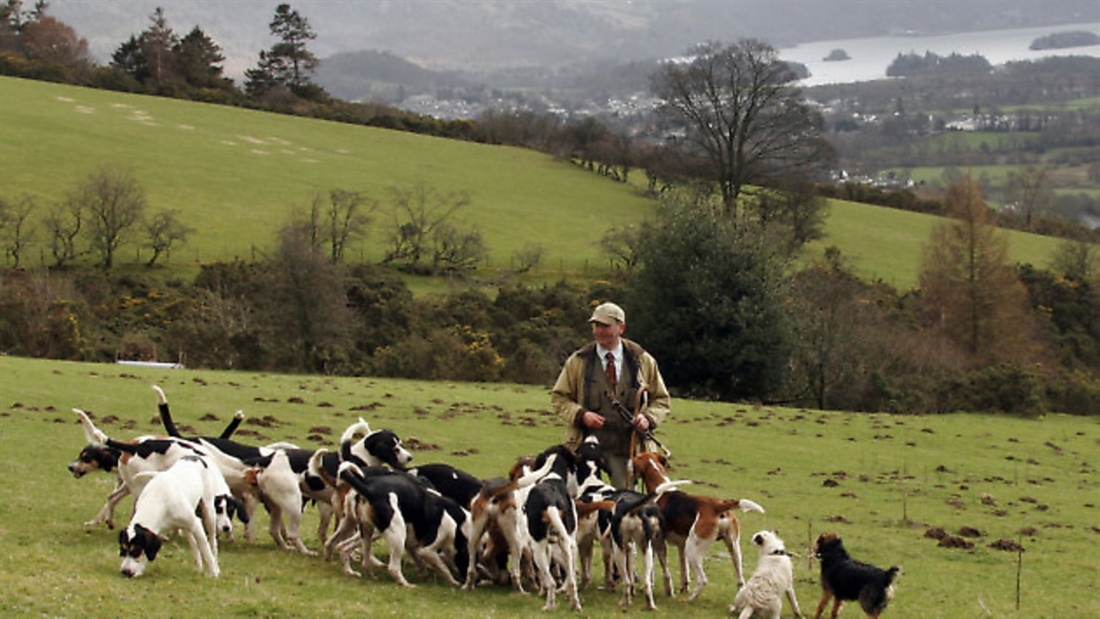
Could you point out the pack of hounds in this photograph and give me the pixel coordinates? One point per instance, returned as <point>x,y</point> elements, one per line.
<point>537,527</point>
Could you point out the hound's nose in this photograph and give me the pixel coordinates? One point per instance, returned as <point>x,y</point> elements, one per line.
<point>127,573</point>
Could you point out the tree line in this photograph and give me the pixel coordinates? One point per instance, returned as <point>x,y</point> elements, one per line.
<point>719,303</point>
<point>159,61</point>
<point>108,211</point>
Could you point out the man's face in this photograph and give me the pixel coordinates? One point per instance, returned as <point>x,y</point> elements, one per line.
<point>608,335</point>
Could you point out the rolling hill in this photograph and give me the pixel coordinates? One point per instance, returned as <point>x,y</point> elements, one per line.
<point>237,175</point>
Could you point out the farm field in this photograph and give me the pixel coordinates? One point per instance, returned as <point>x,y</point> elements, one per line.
<point>881,481</point>
<point>236,175</point>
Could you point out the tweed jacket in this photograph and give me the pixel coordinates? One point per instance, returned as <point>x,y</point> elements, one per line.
<point>582,386</point>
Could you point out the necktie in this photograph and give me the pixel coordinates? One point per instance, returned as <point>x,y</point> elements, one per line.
<point>612,377</point>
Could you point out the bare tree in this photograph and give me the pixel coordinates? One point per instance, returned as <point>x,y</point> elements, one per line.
<point>115,203</point>
<point>421,212</point>
<point>14,227</point>
<point>1029,190</point>
<point>340,220</point>
<point>621,244</point>
<point>740,114</point>
<point>165,230</point>
<point>456,249</point>
<point>528,258</point>
<point>830,318</point>
<point>64,223</point>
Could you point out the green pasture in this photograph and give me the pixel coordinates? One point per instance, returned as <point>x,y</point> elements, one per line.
<point>951,141</point>
<point>881,481</point>
<point>888,244</point>
<point>236,175</point>
<point>1084,103</point>
<point>1063,178</point>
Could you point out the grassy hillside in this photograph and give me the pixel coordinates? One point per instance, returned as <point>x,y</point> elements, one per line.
<point>888,244</point>
<point>881,481</point>
<point>236,175</point>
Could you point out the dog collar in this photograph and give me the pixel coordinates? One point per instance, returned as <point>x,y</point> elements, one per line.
<point>780,553</point>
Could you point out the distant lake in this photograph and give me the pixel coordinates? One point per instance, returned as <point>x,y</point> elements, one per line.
<point>870,57</point>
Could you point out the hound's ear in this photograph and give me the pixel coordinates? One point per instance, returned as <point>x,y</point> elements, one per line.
<point>238,508</point>
<point>152,545</point>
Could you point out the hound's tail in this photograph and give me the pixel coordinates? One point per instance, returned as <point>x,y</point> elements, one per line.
<point>583,508</point>
<point>360,427</point>
<point>92,434</point>
<point>556,523</point>
<point>495,488</point>
<point>537,474</point>
<point>630,506</point>
<point>744,505</point>
<point>892,574</point>
<point>316,467</point>
<point>165,413</point>
<point>233,425</point>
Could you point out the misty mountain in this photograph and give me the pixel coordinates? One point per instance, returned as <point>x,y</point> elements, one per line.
<point>483,35</point>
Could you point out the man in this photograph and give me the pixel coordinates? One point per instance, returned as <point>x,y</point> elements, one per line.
<point>587,391</point>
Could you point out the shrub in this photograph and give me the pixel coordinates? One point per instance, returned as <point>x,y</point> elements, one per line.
<point>1004,388</point>
<point>137,347</point>
<point>1075,393</point>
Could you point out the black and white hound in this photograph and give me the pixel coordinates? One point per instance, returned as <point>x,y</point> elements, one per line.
<point>499,539</point>
<point>409,515</point>
<point>98,456</point>
<point>550,519</point>
<point>593,526</point>
<point>625,523</point>
<point>180,498</point>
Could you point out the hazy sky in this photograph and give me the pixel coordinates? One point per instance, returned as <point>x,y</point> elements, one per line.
<point>500,32</point>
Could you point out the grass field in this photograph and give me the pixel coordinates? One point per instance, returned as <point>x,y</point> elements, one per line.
<point>236,175</point>
<point>888,244</point>
<point>881,481</point>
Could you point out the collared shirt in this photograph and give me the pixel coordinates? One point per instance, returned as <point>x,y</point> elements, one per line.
<point>617,353</point>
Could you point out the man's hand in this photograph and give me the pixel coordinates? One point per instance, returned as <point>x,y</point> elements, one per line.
<point>592,420</point>
<point>640,423</point>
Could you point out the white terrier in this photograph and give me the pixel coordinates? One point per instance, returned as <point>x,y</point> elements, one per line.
<point>774,576</point>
